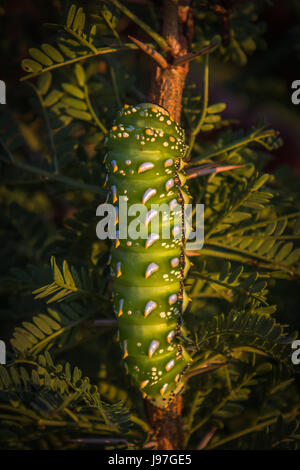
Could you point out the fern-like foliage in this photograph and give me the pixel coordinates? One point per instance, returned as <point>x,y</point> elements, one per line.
<point>53,395</point>
<point>67,283</point>
<point>240,391</point>
<point>76,43</point>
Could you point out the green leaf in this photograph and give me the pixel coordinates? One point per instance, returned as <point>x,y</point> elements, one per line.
<point>40,57</point>
<point>73,90</point>
<point>207,127</point>
<point>284,251</point>
<point>216,108</point>
<point>44,82</point>
<point>31,65</point>
<point>67,51</point>
<point>260,182</point>
<point>80,74</point>
<point>71,15</point>
<point>74,103</point>
<point>52,52</point>
<point>53,97</point>
<point>76,113</point>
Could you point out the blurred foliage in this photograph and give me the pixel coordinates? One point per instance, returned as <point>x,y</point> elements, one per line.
<point>241,389</point>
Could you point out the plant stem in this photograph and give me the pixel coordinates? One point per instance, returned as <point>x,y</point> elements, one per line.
<point>92,111</point>
<point>246,431</point>
<point>197,129</point>
<point>102,51</point>
<point>153,34</point>
<point>56,177</point>
<point>254,137</point>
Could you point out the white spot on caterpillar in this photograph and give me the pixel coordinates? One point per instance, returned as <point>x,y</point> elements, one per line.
<point>144,383</point>
<point>121,303</point>
<point>145,167</point>
<point>173,299</point>
<point>151,239</point>
<point>163,389</point>
<point>150,215</point>
<point>152,348</point>
<point>127,162</point>
<point>114,166</point>
<point>148,194</point>
<point>170,365</point>
<point>176,231</point>
<point>119,272</point>
<point>173,204</point>
<point>117,215</point>
<point>169,184</point>
<point>174,262</point>
<point>170,336</point>
<point>125,349</point>
<point>114,193</point>
<point>152,268</point>
<point>150,306</point>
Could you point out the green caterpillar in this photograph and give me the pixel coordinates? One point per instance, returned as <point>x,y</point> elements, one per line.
<point>144,162</point>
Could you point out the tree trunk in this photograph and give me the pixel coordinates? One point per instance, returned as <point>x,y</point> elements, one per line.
<point>166,90</point>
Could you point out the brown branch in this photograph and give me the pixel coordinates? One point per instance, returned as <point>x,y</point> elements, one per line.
<point>156,56</point>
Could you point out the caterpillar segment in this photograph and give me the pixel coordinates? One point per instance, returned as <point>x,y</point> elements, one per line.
<point>144,163</point>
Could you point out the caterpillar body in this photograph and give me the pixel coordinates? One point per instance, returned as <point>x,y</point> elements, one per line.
<point>144,164</point>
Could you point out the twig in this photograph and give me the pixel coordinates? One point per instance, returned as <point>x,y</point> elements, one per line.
<point>203,443</point>
<point>153,34</point>
<point>102,51</point>
<point>252,138</point>
<point>50,133</point>
<point>92,111</point>
<point>115,85</point>
<point>156,56</point>
<point>55,176</point>
<point>204,109</point>
<point>95,440</point>
<point>246,431</point>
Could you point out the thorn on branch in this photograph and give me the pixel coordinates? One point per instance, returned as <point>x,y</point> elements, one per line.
<point>156,56</point>
<point>192,55</point>
<point>203,369</point>
<point>203,443</point>
<point>208,169</point>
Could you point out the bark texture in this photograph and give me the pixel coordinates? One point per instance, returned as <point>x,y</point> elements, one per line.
<point>167,84</point>
<point>166,90</point>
